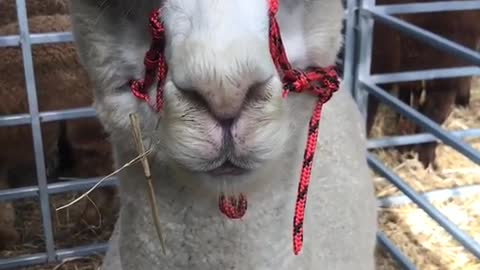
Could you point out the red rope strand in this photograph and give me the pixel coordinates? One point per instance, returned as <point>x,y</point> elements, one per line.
<point>154,63</point>
<point>322,82</point>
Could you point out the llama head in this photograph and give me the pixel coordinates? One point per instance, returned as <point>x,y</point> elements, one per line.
<point>223,110</point>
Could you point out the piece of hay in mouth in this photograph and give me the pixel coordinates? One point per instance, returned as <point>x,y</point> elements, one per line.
<point>138,138</point>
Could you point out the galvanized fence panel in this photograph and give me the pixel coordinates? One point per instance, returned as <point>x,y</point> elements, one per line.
<point>365,84</point>
<point>25,40</point>
<point>355,61</point>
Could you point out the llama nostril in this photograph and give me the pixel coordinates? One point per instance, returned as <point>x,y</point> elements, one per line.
<point>193,96</point>
<point>226,104</point>
<point>226,98</point>
<point>259,91</point>
<point>223,105</point>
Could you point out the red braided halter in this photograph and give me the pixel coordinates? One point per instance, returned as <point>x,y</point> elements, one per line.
<point>322,82</point>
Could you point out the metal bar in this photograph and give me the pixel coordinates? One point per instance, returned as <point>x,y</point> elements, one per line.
<point>9,41</point>
<point>365,24</point>
<point>49,116</point>
<point>414,8</point>
<point>36,129</point>
<point>436,215</point>
<point>425,36</point>
<point>84,251</point>
<point>349,46</point>
<point>417,138</point>
<point>23,261</point>
<point>423,121</point>
<point>55,188</point>
<point>75,113</point>
<point>436,195</point>
<point>356,49</point>
<point>18,193</point>
<point>419,75</point>
<point>15,120</point>
<point>395,252</point>
<point>37,38</point>
<point>60,255</point>
<point>48,38</point>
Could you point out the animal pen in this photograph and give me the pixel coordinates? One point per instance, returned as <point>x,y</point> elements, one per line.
<point>356,61</point>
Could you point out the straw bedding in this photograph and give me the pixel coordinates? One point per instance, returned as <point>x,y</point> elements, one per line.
<point>454,169</point>
<point>418,236</point>
<point>69,229</point>
<point>426,244</point>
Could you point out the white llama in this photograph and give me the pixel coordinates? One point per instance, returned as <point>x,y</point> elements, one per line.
<point>226,129</point>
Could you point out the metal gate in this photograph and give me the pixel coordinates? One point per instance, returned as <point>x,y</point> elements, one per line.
<point>357,62</point>
<point>35,119</point>
<point>356,59</point>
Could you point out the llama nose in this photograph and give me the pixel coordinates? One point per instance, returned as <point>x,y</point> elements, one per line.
<point>223,88</point>
<point>224,103</point>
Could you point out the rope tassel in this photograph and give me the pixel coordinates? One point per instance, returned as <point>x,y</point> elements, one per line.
<point>321,82</point>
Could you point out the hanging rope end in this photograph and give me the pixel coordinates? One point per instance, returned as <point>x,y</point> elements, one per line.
<point>232,207</point>
<point>297,247</point>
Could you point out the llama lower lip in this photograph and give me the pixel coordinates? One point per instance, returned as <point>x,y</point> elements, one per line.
<point>227,168</point>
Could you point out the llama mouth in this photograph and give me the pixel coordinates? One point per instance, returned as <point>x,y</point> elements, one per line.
<point>227,168</point>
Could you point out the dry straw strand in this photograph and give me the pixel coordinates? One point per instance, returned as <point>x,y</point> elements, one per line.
<point>137,134</point>
<point>136,159</point>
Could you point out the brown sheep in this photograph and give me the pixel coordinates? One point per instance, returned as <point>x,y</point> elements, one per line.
<point>61,84</point>
<point>395,52</point>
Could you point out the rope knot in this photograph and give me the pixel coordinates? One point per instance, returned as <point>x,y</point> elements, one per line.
<point>232,207</point>
<point>296,81</point>
<point>327,82</point>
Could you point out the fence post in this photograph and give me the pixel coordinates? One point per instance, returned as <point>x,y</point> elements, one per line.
<point>364,47</point>
<point>36,129</point>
